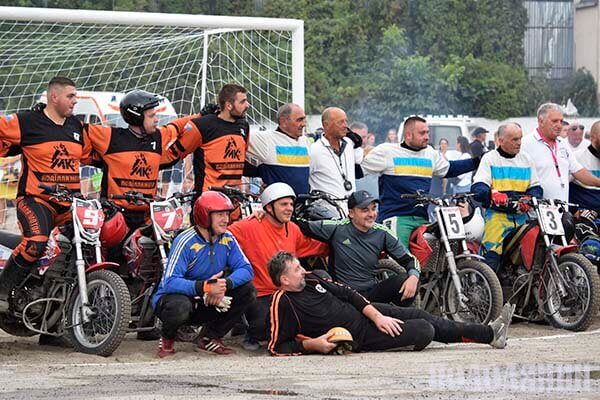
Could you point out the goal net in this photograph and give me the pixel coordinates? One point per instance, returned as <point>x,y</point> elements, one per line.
<point>185,58</point>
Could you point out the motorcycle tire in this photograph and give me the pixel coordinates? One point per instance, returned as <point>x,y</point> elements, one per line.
<point>387,268</point>
<point>582,277</point>
<point>482,287</point>
<point>109,297</point>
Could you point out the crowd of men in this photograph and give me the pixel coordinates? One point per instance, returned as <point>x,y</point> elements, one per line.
<point>223,267</point>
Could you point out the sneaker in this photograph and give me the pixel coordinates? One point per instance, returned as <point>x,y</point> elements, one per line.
<point>214,346</point>
<point>166,347</point>
<point>500,326</point>
<point>250,343</point>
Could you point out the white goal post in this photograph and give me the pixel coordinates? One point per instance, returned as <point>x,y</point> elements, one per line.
<point>191,55</point>
<point>185,58</point>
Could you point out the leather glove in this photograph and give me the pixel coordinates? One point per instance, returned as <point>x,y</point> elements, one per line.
<point>209,108</point>
<point>355,137</point>
<point>499,199</point>
<point>524,207</point>
<point>590,215</point>
<point>224,305</point>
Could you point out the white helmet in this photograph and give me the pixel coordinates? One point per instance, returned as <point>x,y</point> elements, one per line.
<point>276,191</point>
<point>474,224</point>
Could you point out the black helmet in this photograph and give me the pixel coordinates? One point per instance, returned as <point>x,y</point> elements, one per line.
<point>134,104</point>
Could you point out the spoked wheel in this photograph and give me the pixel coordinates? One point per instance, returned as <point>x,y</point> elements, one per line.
<point>387,268</point>
<point>111,306</point>
<point>576,310</point>
<point>483,292</point>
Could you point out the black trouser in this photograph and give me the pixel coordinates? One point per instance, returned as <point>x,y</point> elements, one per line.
<point>175,310</point>
<point>419,329</point>
<point>388,291</point>
<point>257,315</point>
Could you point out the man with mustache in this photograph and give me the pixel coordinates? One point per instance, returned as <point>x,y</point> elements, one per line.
<point>553,160</point>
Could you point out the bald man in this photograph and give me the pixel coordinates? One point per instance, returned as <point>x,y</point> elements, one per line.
<point>334,155</point>
<point>503,172</point>
<point>588,197</point>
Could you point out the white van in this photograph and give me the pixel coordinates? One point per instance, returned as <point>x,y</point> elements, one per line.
<point>102,108</point>
<point>448,127</point>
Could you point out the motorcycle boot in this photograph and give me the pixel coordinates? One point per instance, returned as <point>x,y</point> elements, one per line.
<point>500,326</point>
<point>11,276</point>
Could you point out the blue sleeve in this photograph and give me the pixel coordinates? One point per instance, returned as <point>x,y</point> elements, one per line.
<point>174,280</point>
<point>481,193</point>
<point>535,191</point>
<point>460,167</point>
<point>241,270</point>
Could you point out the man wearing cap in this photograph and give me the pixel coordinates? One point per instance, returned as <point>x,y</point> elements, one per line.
<point>478,143</point>
<point>260,239</point>
<point>355,244</point>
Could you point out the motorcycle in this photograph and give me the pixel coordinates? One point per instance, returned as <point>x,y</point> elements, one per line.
<point>72,294</point>
<point>455,282</point>
<point>145,252</point>
<point>545,279</point>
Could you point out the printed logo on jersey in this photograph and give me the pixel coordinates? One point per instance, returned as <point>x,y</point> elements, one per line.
<point>243,132</point>
<point>76,136</point>
<point>320,288</point>
<point>231,150</point>
<point>197,247</point>
<point>347,242</point>
<point>10,117</point>
<point>188,127</point>
<point>140,167</point>
<point>62,159</point>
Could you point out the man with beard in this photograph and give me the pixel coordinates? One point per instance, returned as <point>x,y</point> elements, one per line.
<point>218,141</point>
<point>52,143</point>
<point>405,168</point>
<point>308,305</point>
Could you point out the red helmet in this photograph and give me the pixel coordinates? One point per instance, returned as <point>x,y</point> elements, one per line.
<point>208,203</point>
<point>113,230</point>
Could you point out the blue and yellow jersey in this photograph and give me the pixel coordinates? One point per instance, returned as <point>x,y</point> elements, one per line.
<point>192,259</point>
<point>511,175</point>
<point>280,158</point>
<point>403,171</point>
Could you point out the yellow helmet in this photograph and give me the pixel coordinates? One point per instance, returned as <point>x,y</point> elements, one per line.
<point>339,335</point>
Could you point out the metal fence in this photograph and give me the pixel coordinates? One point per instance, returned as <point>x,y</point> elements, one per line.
<point>549,49</point>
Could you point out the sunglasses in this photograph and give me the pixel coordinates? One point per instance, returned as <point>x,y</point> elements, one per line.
<point>575,127</point>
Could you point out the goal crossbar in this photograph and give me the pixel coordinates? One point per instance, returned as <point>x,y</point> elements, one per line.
<point>209,22</point>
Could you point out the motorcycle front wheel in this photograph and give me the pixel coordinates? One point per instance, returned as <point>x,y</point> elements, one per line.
<point>579,306</point>
<point>482,289</point>
<point>110,302</point>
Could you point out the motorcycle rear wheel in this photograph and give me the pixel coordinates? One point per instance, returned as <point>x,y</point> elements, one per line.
<point>575,311</point>
<point>109,298</point>
<point>482,289</point>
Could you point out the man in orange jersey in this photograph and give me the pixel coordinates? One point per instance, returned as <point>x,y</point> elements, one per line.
<point>218,141</point>
<point>260,240</point>
<point>52,143</point>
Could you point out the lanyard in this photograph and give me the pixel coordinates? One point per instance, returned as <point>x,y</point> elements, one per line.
<point>553,150</point>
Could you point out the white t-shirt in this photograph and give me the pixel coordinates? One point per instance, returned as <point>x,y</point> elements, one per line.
<point>582,146</point>
<point>464,179</point>
<point>327,168</point>
<point>555,181</point>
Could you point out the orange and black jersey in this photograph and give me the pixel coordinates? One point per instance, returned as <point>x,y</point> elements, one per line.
<point>219,149</point>
<point>129,162</point>
<point>51,153</point>
<point>320,306</point>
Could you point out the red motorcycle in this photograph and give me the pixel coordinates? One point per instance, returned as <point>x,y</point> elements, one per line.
<point>72,294</point>
<point>545,276</point>
<point>145,252</point>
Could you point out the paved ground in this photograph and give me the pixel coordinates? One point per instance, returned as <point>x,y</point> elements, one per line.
<point>539,363</point>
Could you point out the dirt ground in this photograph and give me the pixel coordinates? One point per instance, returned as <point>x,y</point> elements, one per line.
<point>539,363</point>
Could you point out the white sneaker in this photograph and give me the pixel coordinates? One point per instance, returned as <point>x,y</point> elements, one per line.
<point>500,326</point>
